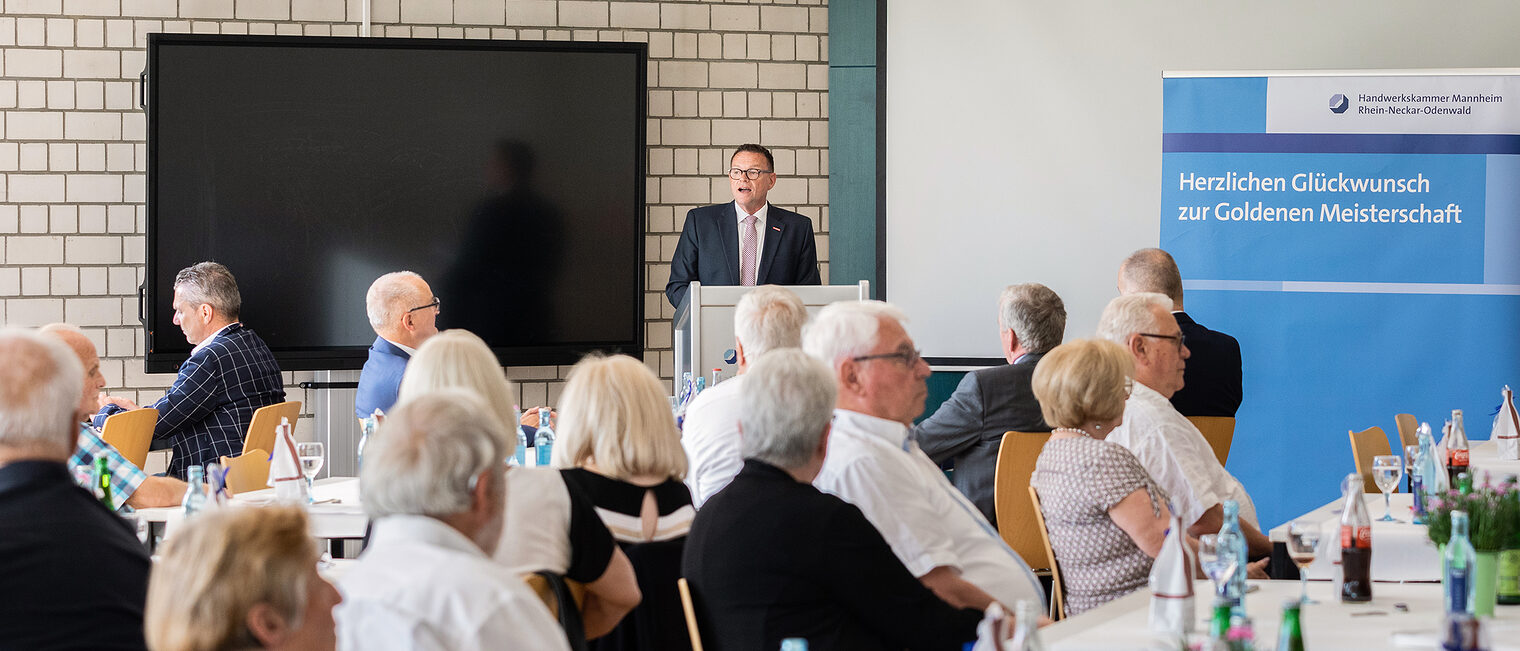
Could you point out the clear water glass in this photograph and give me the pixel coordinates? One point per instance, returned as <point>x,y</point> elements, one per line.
<point>1410,453</point>
<point>1387,470</point>
<point>312,455</point>
<point>1303,545</point>
<point>1219,566</point>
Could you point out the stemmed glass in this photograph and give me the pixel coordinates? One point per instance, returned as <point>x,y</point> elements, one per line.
<point>312,454</point>
<point>1410,452</point>
<point>1219,566</point>
<point>1303,543</point>
<point>1387,470</point>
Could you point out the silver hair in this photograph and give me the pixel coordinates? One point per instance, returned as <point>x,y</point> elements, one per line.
<point>768,318</point>
<point>847,329</point>
<point>1151,270</point>
<point>425,456</point>
<point>1035,314</point>
<point>39,391</point>
<point>211,284</point>
<point>787,402</point>
<point>390,296</point>
<point>1130,315</point>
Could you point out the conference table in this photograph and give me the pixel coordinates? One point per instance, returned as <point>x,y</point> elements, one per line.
<point>336,515</point>
<point>1401,551</point>
<point>1483,457</point>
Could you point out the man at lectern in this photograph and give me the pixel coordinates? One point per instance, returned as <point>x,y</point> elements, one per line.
<point>747,242</point>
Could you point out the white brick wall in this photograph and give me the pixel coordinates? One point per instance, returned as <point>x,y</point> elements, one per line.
<point>72,152</point>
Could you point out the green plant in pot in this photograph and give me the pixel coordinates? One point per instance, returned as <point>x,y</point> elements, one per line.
<point>1493,522</point>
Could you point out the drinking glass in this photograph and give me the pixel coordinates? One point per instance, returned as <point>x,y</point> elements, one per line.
<point>1219,566</point>
<point>311,454</point>
<point>1387,470</point>
<point>1303,543</point>
<point>1410,453</point>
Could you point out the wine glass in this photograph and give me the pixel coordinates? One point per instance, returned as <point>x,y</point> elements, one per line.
<point>1219,564</point>
<point>311,454</point>
<point>1303,543</point>
<point>1387,470</point>
<point>1410,453</point>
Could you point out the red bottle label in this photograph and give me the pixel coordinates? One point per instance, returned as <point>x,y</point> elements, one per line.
<point>1456,458</point>
<point>1356,537</point>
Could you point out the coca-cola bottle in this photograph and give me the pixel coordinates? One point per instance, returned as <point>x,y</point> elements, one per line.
<point>1456,447</point>
<point>1356,543</point>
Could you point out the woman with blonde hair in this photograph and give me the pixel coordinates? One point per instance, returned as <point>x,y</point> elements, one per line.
<point>550,526</point>
<point>619,443</point>
<point>241,578</point>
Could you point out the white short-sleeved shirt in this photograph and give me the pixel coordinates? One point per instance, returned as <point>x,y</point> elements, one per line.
<point>710,434</point>
<point>873,464</point>
<point>1177,456</point>
<point>422,584</point>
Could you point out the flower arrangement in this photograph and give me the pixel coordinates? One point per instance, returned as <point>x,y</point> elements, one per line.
<point>1493,512</point>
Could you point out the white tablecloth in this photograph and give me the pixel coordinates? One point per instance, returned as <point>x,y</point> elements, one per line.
<point>341,519</point>
<point>1484,457</point>
<point>1327,626</point>
<point>1400,551</point>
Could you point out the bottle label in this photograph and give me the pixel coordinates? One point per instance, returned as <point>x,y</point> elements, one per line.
<point>1356,537</point>
<point>1509,572</point>
<point>1457,458</point>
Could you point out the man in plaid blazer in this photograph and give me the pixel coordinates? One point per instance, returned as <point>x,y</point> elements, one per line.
<point>230,373</point>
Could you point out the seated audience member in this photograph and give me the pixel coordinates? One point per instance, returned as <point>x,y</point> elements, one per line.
<point>130,486</point>
<point>229,375</point>
<point>620,447</point>
<point>241,578</point>
<point>74,574</point>
<point>767,318</point>
<point>968,428</point>
<point>1212,381</point>
<point>1172,450</point>
<point>771,557</point>
<point>874,464</point>
<point>550,525</point>
<point>435,486</point>
<point>403,313</point>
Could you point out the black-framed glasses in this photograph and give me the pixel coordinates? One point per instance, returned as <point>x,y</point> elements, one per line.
<point>751,174</point>
<point>1181,338</point>
<point>907,357</point>
<point>437,302</point>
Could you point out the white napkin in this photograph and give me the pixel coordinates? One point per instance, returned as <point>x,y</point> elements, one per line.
<point>1171,584</point>
<point>285,467</point>
<point>1506,432</point>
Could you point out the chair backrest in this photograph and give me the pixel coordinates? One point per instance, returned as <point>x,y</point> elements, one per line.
<point>555,590</point>
<point>247,472</point>
<point>1407,425</point>
<point>1057,594</point>
<point>265,420</point>
<point>1218,431</point>
<point>1365,445</point>
<point>131,433</point>
<point>1015,463</point>
<point>690,608</point>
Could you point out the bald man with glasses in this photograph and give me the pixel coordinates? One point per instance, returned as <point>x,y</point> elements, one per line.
<point>748,241</point>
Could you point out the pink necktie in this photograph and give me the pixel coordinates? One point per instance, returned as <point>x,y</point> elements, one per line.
<point>747,256</point>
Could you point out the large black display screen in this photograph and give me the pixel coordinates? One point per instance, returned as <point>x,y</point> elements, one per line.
<point>508,174</point>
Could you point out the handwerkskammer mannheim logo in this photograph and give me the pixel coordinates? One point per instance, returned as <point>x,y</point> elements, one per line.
<point>1339,103</point>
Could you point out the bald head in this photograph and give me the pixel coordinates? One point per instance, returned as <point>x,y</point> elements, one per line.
<point>89,360</point>
<point>39,389</point>
<point>1151,270</point>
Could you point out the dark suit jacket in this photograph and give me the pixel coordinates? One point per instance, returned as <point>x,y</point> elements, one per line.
<point>1211,381</point>
<point>381,378</point>
<point>770,558</point>
<point>969,427</point>
<point>708,250</point>
<point>75,575</point>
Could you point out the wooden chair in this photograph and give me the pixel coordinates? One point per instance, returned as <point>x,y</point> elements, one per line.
<point>691,614</point>
<point>247,472</point>
<point>1365,445</point>
<point>1015,463</point>
<point>540,587</point>
<point>555,590</point>
<point>1057,594</point>
<point>1219,431</point>
<point>131,433</point>
<point>1407,426</point>
<point>265,420</point>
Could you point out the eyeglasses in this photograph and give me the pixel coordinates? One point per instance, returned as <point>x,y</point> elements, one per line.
<point>909,358</point>
<point>1181,338</point>
<point>437,302</point>
<point>736,173</point>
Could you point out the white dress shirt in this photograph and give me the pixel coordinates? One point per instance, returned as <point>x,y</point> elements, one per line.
<point>710,435</point>
<point>759,235</point>
<point>873,464</point>
<point>207,341</point>
<point>423,585</point>
<point>1177,456</point>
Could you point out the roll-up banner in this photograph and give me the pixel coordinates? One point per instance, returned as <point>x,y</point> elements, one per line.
<point>1359,234</point>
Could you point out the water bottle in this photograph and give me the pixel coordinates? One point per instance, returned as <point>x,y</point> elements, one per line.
<point>1457,564</point>
<point>1417,477</point>
<point>543,439</point>
<point>794,644</point>
<point>1231,538</point>
<point>1290,636</point>
<point>520,455</point>
<point>366,429</point>
<point>195,495</point>
<point>101,482</point>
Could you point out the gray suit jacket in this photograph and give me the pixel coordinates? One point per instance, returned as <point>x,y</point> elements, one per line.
<point>969,427</point>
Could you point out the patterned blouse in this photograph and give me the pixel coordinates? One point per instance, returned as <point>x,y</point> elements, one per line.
<point>1079,479</point>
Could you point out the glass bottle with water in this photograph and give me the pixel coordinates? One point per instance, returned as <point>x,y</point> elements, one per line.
<point>794,644</point>
<point>367,429</point>
<point>195,495</point>
<point>1457,566</point>
<point>520,455</point>
<point>1233,541</point>
<point>543,439</point>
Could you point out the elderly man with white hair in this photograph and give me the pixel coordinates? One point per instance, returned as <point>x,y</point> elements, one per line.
<point>875,464</point>
<point>403,313</point>
<point>1172,450</point>
<point>776,558</point>
<point>435,485</point>
<point>768,318</point>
